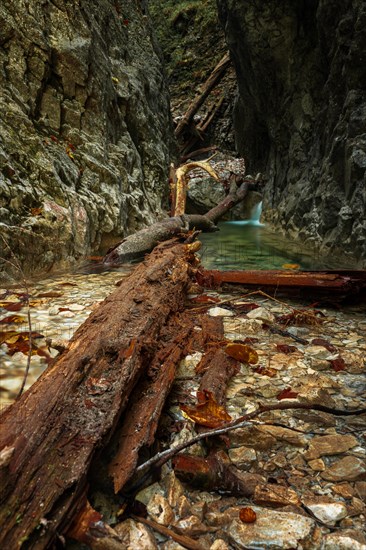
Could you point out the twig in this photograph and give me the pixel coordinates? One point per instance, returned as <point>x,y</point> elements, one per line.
<point>161,458</point>
<point>17,266</point>
<point>185,541</point>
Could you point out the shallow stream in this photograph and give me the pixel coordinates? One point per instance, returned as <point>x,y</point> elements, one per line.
<point>248,244</point>
<point>60,303</point>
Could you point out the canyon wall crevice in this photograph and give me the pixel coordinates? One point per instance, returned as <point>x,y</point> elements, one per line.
<point>85,128</point>
<point>300,115</point>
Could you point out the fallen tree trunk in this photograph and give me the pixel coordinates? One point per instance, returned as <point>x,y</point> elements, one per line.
<point>136,245</point>
<point>50,436</point>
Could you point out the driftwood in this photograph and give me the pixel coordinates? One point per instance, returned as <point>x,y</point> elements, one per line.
<point>51,434</point>
<point>212,81</point>
<point>136,245</point>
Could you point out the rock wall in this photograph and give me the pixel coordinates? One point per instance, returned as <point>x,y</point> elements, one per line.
<point>301,114</point>
<point>85,128</point>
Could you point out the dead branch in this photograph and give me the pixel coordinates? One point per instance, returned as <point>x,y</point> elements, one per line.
<point>183,540</point>
<point>161,458</point>
<point>212,81</point>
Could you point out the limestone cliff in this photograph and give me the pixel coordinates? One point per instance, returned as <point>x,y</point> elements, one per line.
<point>85,127</point>
<point>301,113</point>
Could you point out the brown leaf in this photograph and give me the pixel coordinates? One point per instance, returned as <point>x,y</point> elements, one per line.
<point>287,393</point>
<point>284,348</point>
<point>207,412</point>
<point>338,364</point>
<point>247,515</point>
<point>322,342</point>
<point>11,319</point>
<point>11,306</point>
<point>266,371</point>
<point>50,294</point>
<point>242,353</point>
<point>83,523</point>
<point>9,336</point>
<point>250,340</point>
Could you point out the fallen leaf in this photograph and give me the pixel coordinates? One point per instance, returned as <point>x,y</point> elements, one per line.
<point>54,139</point>
<point>12,306</point>
<point>266,371</point>
<point>11,319</point>
<point>338,364</point>
<point>242,353</point>
<point>247,515</point>
<point>284,348</point>
<point>250,340</point>
<point>207,412</point>
<point>50,294</point>
<point>84,521</point>
<point>291,266</point>
<point>287,393</point>
<point>9,336</point>
<point>69,152</point>
<point>322,342</point>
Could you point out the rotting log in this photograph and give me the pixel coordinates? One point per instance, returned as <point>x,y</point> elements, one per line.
<point>50,436</point>
<point>140,425</point>
<point>342,283</point>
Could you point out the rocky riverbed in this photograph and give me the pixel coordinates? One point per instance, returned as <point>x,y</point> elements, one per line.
<point>312,462</point>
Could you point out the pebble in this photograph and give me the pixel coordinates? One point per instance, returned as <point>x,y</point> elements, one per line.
<point>220,312</point>
<point>272,530</point>
<point>329,445</point>
<point>327,511</point>
<point>349,468</point>
<point>307,456</point>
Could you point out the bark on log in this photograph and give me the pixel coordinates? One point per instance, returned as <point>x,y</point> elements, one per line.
<point>214,78</point>
<point>50,436</point>
<point>141,423</point>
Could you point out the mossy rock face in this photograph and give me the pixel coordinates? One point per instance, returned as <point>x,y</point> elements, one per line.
<point>85,127</point>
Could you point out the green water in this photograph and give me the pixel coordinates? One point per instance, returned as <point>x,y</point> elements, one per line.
<point>249,245</point>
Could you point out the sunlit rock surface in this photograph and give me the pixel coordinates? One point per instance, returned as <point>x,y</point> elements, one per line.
<point>84,130</point>
<point>300,114</point>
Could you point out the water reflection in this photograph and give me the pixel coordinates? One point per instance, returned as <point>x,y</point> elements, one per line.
<point>249,245</point>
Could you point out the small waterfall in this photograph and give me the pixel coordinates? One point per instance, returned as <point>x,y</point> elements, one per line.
<point>255,216</point>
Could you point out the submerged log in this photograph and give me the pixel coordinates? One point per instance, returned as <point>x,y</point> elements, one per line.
<point>50,436</point>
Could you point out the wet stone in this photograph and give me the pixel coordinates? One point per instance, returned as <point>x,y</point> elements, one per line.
<point>242,457</point>
<point>344,540</point>
<point>349,468</point>
<point>329,445</point>
<point>327,511</point>
<point>272,530</point>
